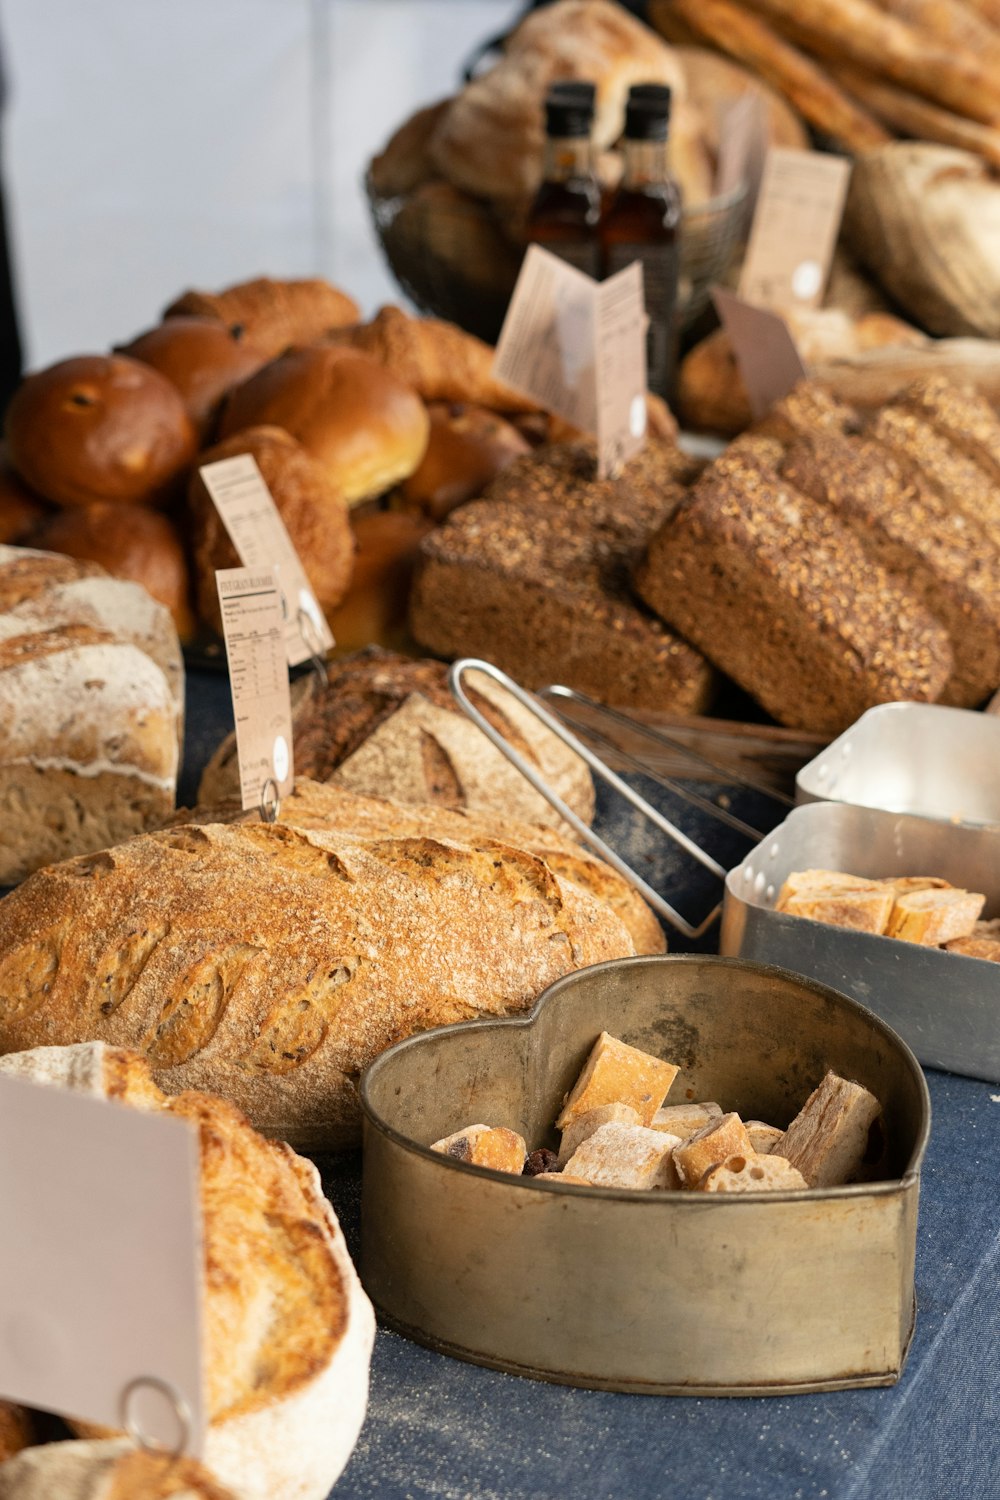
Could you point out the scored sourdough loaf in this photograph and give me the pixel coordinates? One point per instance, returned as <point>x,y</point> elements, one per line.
<point>89,718</point>
<point>287,1331</point>
<point>785,599</point>
<point>333,809</point>
<point>270,965</point>
<point>388,726</point>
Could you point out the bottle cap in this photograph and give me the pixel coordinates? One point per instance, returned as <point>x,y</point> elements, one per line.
<point>569,109</point>
<point>647,114</point>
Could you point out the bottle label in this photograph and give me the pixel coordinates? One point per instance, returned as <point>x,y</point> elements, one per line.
<point>660,272</point>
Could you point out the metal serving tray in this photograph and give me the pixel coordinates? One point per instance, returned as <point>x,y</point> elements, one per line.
<point>946,1005</point>
<point>663,1293</point>
<point>912,758</point>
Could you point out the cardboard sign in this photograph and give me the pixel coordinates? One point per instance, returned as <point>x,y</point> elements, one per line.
<point>261,539</point>
<point>769,360</point>
<point>578,347</point>
<point>742,147</point>
<point>254,628</point>
<point>100,1259</point>
<point>795,228</point>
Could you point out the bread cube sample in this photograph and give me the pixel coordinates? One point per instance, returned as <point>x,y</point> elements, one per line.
<point>563,1177</point>
<point>974,946</point>
<point>491,1146</point>
<point>625,1156</point>
<point>829,1138</point>
<point>840,900</point>
<point>714,1142</point>
<point>685,1119</point>
<point>584,1125</point>
<point>931,916</point>
<point>752,1174</point>
<point>763,1138</point>
<point>615,1073</point>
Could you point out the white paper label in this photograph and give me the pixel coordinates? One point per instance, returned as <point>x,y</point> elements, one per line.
<point>253,522</point>
<point>253,625</point>
<point>100,1259</point>
<point>578,347</point>
<point>795,228</point>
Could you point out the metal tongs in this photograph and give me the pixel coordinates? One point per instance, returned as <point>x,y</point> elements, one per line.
<point>600,768</point>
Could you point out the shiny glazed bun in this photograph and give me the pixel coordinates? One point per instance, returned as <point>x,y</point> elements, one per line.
<point>468,446</point>
<point>366,428</point>
<point>99,427</point>
<point>202,358</point>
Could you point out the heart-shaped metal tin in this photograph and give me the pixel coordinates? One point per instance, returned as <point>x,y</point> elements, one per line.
<point>665,1293</point>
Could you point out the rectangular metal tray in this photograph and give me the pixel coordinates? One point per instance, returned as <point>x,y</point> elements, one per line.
<point>912,758</point>
<point>946,1005</point>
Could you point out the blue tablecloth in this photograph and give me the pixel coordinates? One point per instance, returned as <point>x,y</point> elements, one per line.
<point>440,1428</point>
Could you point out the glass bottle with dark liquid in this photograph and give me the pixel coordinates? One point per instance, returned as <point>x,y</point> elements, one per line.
<point>643,222</point>
<point>565,215</point>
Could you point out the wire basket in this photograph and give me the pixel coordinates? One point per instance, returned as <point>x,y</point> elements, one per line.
<point>452,259</point>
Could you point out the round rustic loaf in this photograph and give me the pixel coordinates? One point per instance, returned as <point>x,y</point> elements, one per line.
<point>385,725</point>
<point>287,1331</point>
<point>99,427</point>
<point>270,965</point>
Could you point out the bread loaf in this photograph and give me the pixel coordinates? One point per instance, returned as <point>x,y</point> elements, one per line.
<point>270,965</point>
<point>273,314</point>
<point>112,1469</point>
<point>310,504</point>
<point>468,447</point>
<point>89,723</point>
<point>287,1330</point>
<point>426,750</point>
<point>100,427</point>
<point>332,809</point>
<point>787,601</point>
<point>203,358</point>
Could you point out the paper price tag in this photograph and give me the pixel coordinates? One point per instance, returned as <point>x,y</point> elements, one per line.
<point>795,227</point>
<point>100,1260</point>
<point>769,360</point>
<point>253,624</point>
<point>261,539</point>
<point>578,347</point>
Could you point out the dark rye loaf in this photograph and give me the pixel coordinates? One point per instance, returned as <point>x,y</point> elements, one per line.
<point>786,599</point>
<point>938,554</point>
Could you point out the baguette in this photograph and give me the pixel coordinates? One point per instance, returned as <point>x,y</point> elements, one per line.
<point>833,1134</point>
<point>912,115</point>
<point>954,22</point>
<point>805,85</point>
<point>270,966</point>
<point>861,33</point>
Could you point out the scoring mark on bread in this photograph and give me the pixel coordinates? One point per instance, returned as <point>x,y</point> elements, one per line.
<point>297,1026</point>
<point>193,1010</point>
<point>122,964</point>
<point>295,849</point>
<point>441,780</point>
<point>28,974</point>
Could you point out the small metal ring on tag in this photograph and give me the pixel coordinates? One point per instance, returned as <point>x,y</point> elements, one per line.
<point>314,644</point>
<point>270,801</point>
<point>181,1411</point>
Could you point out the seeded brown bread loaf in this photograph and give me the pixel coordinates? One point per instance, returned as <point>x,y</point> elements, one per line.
<point>785,599</point>
<point>88,719</point>
<point>270,965</point>
<point>924,449</point>
<point>333,809</point>
<point>961,415</point>
<point>936,552</point>
<point>809,408</point>
<point>287,1330</point>
<point>387,725</point>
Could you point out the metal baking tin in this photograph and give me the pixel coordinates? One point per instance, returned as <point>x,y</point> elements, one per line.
<point>946,1005</point>
<point>912,758</point>
<point>663,1293</point>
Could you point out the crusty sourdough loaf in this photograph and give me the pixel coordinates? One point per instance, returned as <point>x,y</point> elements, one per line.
<point>108,1469</point>
<point>535,577</point>
<point>388,726</point>
<point>89,721</point>
<point>270,965</point>
<point>785,599</point>
<point>940,555</point>
<point>287,1329</point>
<point>333,809</point>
